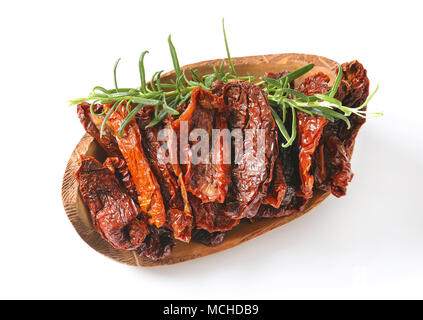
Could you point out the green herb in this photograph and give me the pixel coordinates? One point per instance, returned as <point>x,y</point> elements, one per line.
<point>142,72</point>
<point>280,95</point>
<point>338,79</point>
<point>174,58</point>
<point>227,49</point>
<point>114,73</point>
<point>166,97</point>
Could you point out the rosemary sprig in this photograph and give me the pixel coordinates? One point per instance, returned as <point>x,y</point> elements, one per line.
<point>166,97</point>
<point>280,95</point>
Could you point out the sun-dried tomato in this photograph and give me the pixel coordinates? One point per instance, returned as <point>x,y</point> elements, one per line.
<point>113,212</point>
<point>252,172</point>
<point>149,196</point>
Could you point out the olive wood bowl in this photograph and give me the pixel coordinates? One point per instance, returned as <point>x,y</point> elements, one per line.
<point>78,213</point>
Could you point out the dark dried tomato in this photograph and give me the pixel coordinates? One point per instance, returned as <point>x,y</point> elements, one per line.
<point>252,172</point>
<point>209,180</point>
<point>113,212</point>
<point>157,245</point>
<point>120,169</point>
<point>332,161</point>
<point>207,238</point>
<point>92,125</point>
<point>278,187</point>
<point>310,128</point>
<point>178,210</point>
<point>211,216</point>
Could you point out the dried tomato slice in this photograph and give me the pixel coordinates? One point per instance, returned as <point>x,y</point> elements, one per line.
<point>310,129</point>
<point>149,196</point>
<point>113,212</point>
<point>92,126</point>
<point>252,171</point>
<point>178,210</point>
<point>210,178</point>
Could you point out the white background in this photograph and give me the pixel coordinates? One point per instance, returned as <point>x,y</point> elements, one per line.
<point>368,244</point>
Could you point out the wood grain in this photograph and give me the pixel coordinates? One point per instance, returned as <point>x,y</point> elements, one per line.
<point>79,215</point>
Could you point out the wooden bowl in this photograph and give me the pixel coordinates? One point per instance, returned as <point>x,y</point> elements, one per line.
<point>79,215</point>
